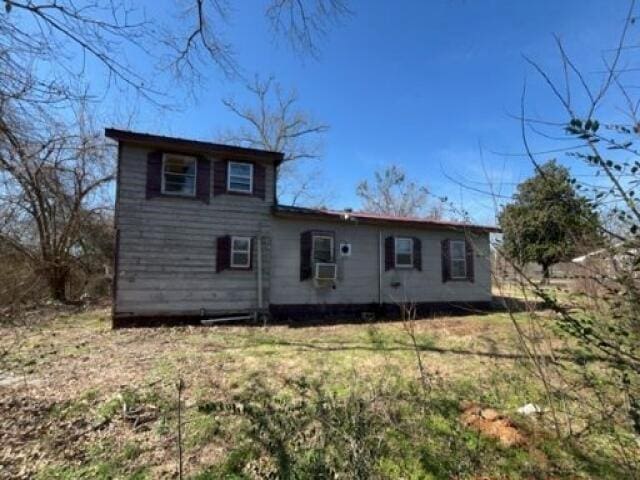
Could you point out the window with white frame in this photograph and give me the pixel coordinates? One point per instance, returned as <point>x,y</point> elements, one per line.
<point>240,177</point>
<point>458,259</point>
<point>322,249</point>
<point>178,175</point>
<point>240,252</point>
<point>404,252</point>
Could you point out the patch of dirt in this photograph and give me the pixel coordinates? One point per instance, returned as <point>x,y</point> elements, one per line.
<point>9,379</point>
<point>492,424</point>
<point>34,434</point>
<point>461,326</point>
<point>28,436</point>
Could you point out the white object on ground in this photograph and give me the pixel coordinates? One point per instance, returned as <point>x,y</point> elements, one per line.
<point>529,409</point>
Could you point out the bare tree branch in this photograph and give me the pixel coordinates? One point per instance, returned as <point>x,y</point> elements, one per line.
<point>393,194</point>
<point>62,35</point>
<point>305,22</point>
<point>274,123</point>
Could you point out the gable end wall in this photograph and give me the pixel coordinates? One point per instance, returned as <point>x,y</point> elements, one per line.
<point>167,246</point>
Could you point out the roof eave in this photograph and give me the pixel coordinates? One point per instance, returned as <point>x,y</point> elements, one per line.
<point>281,212</point>
<point>191,146</point>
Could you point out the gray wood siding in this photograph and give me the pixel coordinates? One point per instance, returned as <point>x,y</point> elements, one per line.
<point>167,255</point>
<point>358,274</point>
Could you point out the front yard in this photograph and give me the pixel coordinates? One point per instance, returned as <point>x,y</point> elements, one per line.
<point>78,400</point>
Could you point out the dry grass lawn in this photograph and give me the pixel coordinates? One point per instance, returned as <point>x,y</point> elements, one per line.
<point>79,400</point>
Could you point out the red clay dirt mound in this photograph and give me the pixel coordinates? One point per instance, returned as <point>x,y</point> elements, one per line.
<point>490,423</point>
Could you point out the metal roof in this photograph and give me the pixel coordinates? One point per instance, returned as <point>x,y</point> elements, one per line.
<point>377,219</point>
<point>190,145</point>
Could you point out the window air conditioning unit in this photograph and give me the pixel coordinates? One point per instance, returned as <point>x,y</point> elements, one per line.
<point>326,271</point>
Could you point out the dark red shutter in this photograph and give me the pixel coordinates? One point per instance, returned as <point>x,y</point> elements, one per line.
<point>219,177</point>
<point>468,247</point>
<point>305,255</point>
<point>417,254</point>
<point>203,179</point>
<point>223,253</point>
<point>259,180</point>
<point>389,253</point>
<point>446,261</point>
<point>154,174</point>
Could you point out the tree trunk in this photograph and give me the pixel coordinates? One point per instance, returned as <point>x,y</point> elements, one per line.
<point>57,277</point>
<point>546,274</point>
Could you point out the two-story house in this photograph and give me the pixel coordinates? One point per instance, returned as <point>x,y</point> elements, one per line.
<point>200,235</point>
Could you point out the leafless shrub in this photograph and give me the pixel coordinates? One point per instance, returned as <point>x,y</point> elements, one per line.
<point>598,389</point>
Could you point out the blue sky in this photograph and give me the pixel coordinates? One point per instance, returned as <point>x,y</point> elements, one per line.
<point>425,85</point>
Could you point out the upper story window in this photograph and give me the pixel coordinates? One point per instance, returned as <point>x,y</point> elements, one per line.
<point>322,249</point>
<point>240,252</point>
<point>240,178</point>
<point>178,175</point>
<point>404,252</point>
<point>458,259</point>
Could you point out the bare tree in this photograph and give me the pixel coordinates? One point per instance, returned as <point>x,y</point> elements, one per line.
<point>392,193</point>
<point>275,122</point>
<point>186,36</point>
<point>51,179</point>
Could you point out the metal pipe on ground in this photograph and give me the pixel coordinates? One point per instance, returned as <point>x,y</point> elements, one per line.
<point>213,321</point>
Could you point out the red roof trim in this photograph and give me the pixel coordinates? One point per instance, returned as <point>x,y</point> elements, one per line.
<point>374,218</point>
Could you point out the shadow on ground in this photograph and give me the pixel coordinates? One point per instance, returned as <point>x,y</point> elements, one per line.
<point>499,304</point>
